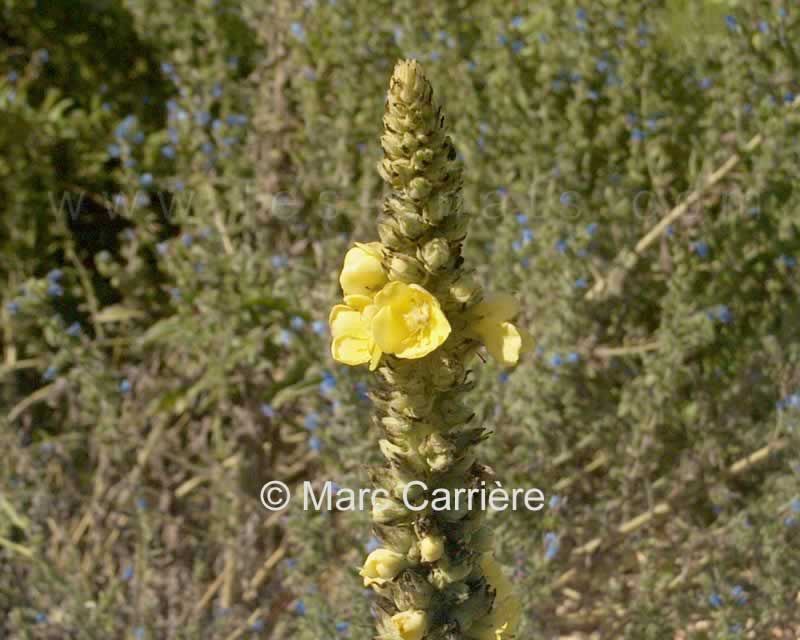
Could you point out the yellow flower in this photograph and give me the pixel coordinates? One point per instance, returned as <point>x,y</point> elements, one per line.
<point>409,322</point>
<point>382,565</point>
<point>490,323</point>
<point>411,625</point>
<point>362,273</point>
<point>431,548</point>
<point>352,341</point>
<point>502,621</point>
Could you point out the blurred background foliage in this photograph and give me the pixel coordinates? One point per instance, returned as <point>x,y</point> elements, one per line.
<point>178,184</point>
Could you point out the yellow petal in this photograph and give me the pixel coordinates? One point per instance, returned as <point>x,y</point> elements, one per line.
<point>411,625</point>
<point>502,339</point>
<point>344,320</point>
<point>394,294</point>
<point>389,330</point>
<point>498,307</point>
<point>430,338</point>
<point>357,301</point>
<point>362,273</point>
<point>351,349</point>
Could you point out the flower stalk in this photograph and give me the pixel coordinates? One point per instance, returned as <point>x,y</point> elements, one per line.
<point>417,317</point>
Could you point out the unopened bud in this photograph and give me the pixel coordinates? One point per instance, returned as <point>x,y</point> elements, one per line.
<point>435,255</point>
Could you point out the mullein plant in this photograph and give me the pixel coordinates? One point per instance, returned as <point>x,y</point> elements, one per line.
<point>415,316</point>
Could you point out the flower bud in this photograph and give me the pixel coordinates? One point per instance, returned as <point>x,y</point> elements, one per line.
<point>411,624</point>
<point>438,452</point>
<point>446,574</point>
<point>431,548</point>
<point>412,591</point>
<point>419,188</point>
<point>382,565</point>
<point>435,254</point>
<point>388,511</point>
<point>362,273</point>
<point>405,269</point>
<point>466,291</point>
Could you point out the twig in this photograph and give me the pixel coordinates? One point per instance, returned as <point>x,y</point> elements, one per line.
<point>628,260</point>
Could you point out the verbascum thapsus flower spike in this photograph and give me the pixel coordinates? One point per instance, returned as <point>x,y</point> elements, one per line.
<point>412,313</point>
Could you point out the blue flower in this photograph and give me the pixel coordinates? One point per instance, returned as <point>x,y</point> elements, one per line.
<point>561,246</point>
<point>267,411</point>
<point>580,14</point>
<point>637,135</point>
<point>372,544</point>
<point>517,22</point>
<point>700,247</point>
<point>556,360</point>
<point>55,290</point>
<point>789,261</point>
<point>788,97</point>
<point>705,83</point>
<point>763,26</point>
<point>581,283</point>
<point>216,90</point>
<point>168,151</point>
<point>552,545</point>
<point>319,327</point>
<point>311,421</point>
<point>731,22</point>
<point>162,248</point>
<point>124,386</point>
<point>724,314</point>
<point>12,76</point>
<point>237,119</point>
<point>257,626</point>
<point>298,31</point>
<point>114,150</point>
<point>315,444</point>
<point>593,95</point>
<point>739,594</point>
<point>435,55</point>
<point>187,240</point>
<point>602,66</point>
<point>175,293</point>
<point>300,608</point>
<point>517,46</point>
<point>74,330</point>
<point>138,137</point>
<point>502,39</point>
<point>795,505</point>
<point>521,218</point>
<point>790,521</point>
<point>278,262</point>
<point>55,275</point>
<point>146,179</point>
<point>516,246</point>
<point>328,382</point>
<point>503,377</point>
<point>573,357</point>
<point>544,38</point>
<point>141,503</point>
<point>527,235</point>
<point>138,633</point>
<point>41,618</point>
<point>297,323</point>
<point>12,308</point>
<point>715,600</point>
<point>342,627</point>
<point>127,574</point>
<point>591,228</point>
<point>142,200</point>
<point>554,502</point>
